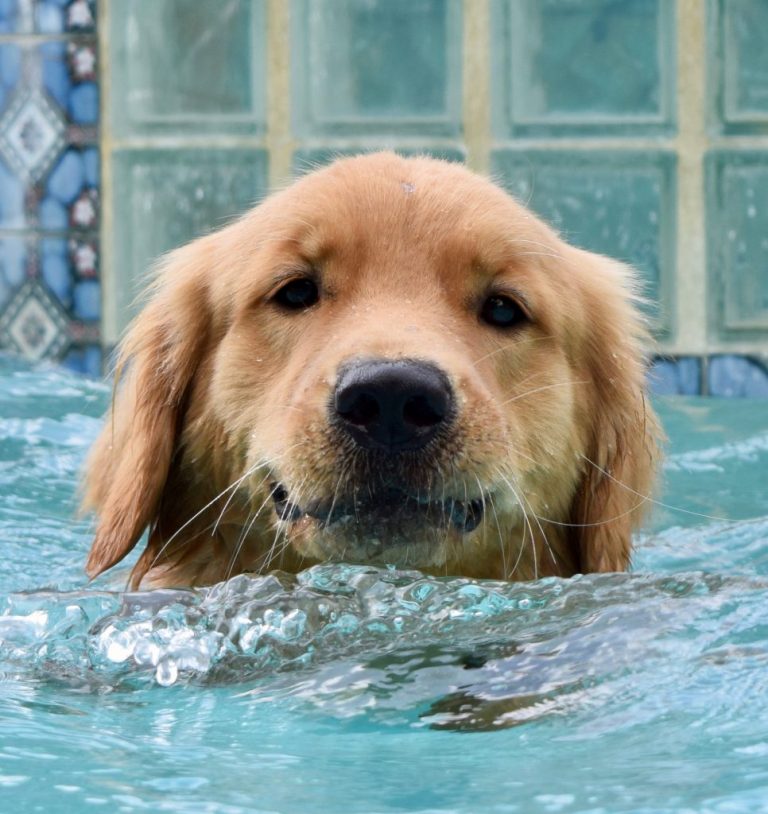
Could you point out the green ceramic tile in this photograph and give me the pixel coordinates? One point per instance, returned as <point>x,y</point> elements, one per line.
<point>618,204</point>
<point>187,66</point>
<point>376,66</point>
<point>738,60</point>
<point>164,198</point>
<point>565,67</point>
<point>737,213</point>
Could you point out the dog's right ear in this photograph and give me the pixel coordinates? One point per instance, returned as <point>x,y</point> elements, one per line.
<point>128,466</point>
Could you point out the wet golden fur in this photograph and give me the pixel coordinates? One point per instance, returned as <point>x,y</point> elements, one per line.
<point>223,395</point>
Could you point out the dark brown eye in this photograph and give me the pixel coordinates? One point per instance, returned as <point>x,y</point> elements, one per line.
<point>298,294</point>
<point>502,312</point>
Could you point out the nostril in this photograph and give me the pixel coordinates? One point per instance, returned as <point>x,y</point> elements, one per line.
<point>394,405</point>
<point>362,410</point>
<point>419,412</point>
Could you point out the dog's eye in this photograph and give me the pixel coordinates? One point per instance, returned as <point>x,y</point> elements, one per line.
<point>297,294</point>
<point>502,312</point>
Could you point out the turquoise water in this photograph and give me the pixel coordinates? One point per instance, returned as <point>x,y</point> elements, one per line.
<point>362,690</point>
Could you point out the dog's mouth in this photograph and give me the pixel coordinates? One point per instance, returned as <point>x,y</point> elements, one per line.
<point>386,509</point>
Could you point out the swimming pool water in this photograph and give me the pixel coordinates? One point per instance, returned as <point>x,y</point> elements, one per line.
<point>352,689</point>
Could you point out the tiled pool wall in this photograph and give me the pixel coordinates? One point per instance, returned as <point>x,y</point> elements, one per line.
<point>639,128</point>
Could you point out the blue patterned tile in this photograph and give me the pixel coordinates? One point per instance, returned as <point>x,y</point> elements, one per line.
<point>67,177</point>
<point>676,377</point>
<point>84,104</point>
<point>54,266</point>
<point>13,266</point>
<point>31,134</point>
<point>79,15</point>
<point>12,18</point>
<point>67,265</point>
<point>50,293</point>
<point>69,198</point>
<point>49,17</point>
<point>10,71</point>
<point>33,323</point>
<point>11,199</point>
<point>86,304</point>
<point>55,74</point>
<point>87,360</point>
<point>731,376</point>
<point>63,71</point>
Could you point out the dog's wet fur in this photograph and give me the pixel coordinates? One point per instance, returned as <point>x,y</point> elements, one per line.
<point>391,361</point>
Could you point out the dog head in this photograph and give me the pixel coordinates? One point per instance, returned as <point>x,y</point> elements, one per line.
<point>391,361</point>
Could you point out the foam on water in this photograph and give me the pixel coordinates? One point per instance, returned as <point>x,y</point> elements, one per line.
<point>346,687</point>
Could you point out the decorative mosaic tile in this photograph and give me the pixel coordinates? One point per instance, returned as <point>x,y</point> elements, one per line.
<point>88,360</point>
<point>595,66</point>
<point>161,50</point>
<point>380,66</point>
<point>62,72</point>
<point>740,74</point>
<point>66,199</point>
<point>68,264</point>
<point>47,16</point>
<point>15,264</point>
<point>618,204</point>
<point>307,160</point>
<point>164,198</point>
<point>31,135</point>
<point>50,102</point>
<point>33,323</point>
<point>737,376</point>
<point>676,377</point>
<point>737,209</point>
<point>16,16</point>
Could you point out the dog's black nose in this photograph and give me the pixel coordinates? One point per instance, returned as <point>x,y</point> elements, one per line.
<point>392,405</point>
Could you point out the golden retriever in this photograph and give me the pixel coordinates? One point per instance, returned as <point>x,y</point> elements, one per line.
<point>390,362</point>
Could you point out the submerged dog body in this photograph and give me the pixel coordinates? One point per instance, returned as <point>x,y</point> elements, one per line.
<point>391,361</point>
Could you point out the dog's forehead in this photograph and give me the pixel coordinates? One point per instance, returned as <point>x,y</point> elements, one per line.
<point>385,202</point>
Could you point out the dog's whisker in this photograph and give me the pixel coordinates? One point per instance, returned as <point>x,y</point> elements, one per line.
<point>232,487</point>
<point>651,499</point>
<point>514,344</point>
<point>247,530</point>
<point>527,393</point>
<point>282,526</point>
<point>527,522</point>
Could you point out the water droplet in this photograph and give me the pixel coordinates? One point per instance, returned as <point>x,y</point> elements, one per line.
<point>167,672</point>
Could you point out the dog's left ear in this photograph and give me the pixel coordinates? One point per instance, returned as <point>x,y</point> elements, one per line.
<point>127,469</point>
<point>622,442</point>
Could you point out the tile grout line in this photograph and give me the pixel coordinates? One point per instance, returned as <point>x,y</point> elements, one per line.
<point>691,284</point>
<point>476,83</point>
<point>109,319</point>
<point>279,142</point>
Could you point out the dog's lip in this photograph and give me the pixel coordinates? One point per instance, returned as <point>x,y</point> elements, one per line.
<point>463,515</point>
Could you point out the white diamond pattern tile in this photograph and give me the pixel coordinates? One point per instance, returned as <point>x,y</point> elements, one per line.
<point>33,324</point>
<point>31,135</point>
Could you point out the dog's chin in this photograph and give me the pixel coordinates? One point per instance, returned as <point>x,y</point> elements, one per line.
<point>390,527</point>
